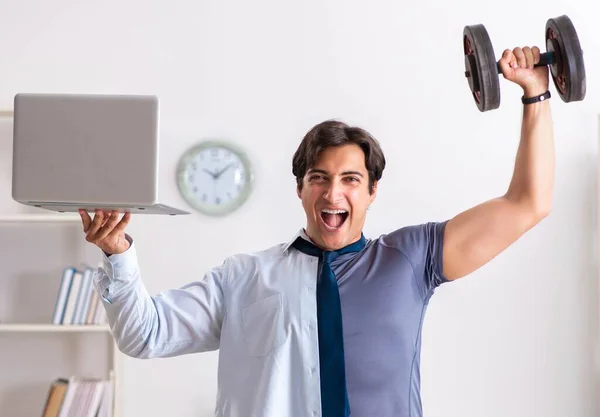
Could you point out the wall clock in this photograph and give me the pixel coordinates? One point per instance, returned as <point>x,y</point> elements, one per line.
<point>215,177</point>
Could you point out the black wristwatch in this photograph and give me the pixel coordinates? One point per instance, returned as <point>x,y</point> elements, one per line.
<point>536,99</point>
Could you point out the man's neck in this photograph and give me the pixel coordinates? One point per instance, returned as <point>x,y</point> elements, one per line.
<point>311,240</point>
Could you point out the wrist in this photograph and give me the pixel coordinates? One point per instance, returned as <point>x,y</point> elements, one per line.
<point>535,90</point>
<point>124,247</point>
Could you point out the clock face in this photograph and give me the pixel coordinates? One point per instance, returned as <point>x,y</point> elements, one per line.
<point>215,177</point>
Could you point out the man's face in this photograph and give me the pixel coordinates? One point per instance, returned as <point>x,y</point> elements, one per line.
<point>335,196</point>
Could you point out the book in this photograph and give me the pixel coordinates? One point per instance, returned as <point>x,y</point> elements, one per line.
<point>77,301</point>
<point>81,397</point>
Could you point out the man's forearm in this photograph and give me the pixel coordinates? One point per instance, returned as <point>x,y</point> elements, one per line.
<point>533,178</point>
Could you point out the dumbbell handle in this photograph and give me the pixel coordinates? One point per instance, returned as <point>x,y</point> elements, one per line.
<point>547,58</point>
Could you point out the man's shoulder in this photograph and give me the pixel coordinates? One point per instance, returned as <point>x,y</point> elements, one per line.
<point>268,254</point>
<point>409,238</point>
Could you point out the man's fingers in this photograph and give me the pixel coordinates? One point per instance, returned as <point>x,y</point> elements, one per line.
<point>95,226</point>
<point>120,227</point>
<point>123,223</point>
<point>528,53</point>
<point>505,62</point>
<point>86,220</point>
<point>110,222</point>
<point>536,54</point>
<point>105,217</point>
<point>520,56</point>
<point>105,226</point>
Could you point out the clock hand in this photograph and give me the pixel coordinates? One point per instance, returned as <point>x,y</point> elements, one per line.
<point>212,174</point>
<point>219,173</point>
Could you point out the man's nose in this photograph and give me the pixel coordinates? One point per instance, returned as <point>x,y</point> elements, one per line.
<point>333,192</point>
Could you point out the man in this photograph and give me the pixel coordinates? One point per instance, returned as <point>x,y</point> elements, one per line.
<point>304,330</point>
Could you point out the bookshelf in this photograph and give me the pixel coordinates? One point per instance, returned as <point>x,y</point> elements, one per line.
<point>36,246</point>
<point>33,351</point>
<point>56,328</point>
<point>40,218</point>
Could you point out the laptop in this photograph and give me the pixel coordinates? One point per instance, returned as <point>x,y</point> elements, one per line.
<point>89,151</point>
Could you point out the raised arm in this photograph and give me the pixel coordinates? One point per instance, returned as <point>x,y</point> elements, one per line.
<point>175,322</point>
<point>479,234</point>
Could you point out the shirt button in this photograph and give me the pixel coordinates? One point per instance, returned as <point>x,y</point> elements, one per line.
<point>313,370</point>
<point>314,413</point>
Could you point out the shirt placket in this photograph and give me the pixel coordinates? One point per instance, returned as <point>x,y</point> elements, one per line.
<point>310,339</point>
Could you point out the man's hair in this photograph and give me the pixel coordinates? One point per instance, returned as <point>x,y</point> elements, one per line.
<point>333,133</point>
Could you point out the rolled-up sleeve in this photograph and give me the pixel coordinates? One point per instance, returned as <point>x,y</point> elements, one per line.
<point>174,322</point>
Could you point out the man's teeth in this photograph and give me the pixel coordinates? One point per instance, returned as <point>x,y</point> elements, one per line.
<point>334,211</point>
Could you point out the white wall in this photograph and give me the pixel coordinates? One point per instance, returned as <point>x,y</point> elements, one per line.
<point>518,337</point>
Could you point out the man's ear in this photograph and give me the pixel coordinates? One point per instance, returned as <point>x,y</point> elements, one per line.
<point>374,191</point>
<point>298,191</point>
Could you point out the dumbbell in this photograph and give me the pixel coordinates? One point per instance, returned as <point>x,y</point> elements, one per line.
<point>564,56</point>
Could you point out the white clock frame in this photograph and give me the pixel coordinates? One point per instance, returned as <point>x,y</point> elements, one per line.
<point>187,189</point>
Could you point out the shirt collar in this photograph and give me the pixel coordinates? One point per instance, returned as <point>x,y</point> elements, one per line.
<point>300,233</point>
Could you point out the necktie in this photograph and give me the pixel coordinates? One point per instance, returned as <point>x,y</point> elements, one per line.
<point>334,395</point>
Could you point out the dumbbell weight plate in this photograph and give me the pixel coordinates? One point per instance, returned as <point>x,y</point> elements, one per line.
<point>481,68</point>
<point>568,71</point>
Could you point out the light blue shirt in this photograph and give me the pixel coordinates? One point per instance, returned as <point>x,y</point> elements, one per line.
<point>259,310</point>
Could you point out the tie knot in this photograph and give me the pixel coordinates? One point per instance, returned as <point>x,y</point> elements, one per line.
<point>329,256</point>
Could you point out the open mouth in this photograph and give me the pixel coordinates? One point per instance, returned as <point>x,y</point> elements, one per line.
<point>333,219</point>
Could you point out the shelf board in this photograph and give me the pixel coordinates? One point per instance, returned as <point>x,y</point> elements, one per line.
<point>40,218</point>
<point>47,328</point>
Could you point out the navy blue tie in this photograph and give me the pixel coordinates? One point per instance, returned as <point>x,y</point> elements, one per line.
<point>334,395</point>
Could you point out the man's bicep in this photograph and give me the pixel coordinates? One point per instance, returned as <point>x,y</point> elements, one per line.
<point>174,322</point>
<point>189,318</point>
<point>476,236</point>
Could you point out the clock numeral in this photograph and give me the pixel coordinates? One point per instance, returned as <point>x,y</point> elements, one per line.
<point>214,152</point>
<point>195,189</point>
<point>239,187</point>
<point>217,201</point>
<point>194,167</point>
<point>191,178</point>
<point>204,197</point>
<point>229,195</point>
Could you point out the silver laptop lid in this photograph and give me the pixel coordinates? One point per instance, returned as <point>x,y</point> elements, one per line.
<point>89,151</point>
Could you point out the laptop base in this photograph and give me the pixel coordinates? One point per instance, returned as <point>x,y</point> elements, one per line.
<point>90,208</point>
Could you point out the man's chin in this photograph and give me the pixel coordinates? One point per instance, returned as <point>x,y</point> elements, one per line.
<point>330,238</point>
<point>334,240</point>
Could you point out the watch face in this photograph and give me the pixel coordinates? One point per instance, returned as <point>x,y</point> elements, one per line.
<point>215,177</point>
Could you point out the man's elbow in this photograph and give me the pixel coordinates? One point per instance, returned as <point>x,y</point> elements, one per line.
<point>133,349</point>
<point>538,211</point>
<point>533,209</point>
<point>138,346</point>
<point>543,212</point>
<point>542,206</point>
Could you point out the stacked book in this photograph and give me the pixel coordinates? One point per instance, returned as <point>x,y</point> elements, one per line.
<point>77,301</point>
<point>79,397</point>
